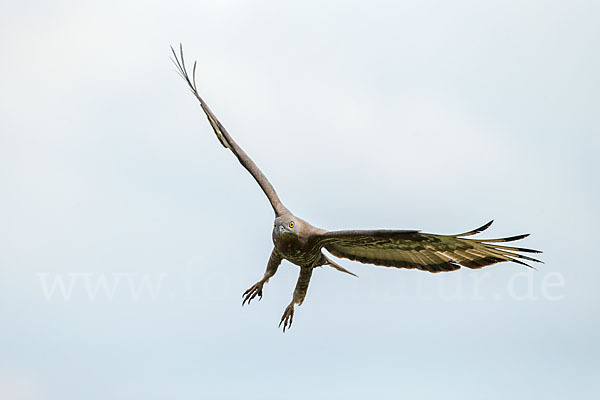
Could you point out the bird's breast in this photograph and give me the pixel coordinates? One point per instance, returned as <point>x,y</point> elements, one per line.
<point>296,250</point>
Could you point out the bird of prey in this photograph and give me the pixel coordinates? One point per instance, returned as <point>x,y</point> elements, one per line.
<point>302,244</point>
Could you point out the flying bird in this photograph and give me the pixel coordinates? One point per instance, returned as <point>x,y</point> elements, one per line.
<point>302,244</point>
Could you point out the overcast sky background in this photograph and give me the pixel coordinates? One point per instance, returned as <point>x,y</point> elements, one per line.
<point>410,115</point>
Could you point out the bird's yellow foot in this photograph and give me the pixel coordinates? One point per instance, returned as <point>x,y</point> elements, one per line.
<point>287,318</point>
<point>255,290</point>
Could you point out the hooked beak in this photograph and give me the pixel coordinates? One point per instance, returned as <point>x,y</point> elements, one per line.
<point>283,231</point>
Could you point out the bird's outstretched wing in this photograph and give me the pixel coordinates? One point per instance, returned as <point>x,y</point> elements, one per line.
<point>224,137</point>
<point>424,251</point>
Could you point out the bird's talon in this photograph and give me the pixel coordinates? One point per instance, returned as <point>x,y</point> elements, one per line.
<point>251,293</point>
<point>287,318</point>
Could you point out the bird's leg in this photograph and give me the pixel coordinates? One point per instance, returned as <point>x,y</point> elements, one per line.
<point>299,295</point>
<point>256,289</point>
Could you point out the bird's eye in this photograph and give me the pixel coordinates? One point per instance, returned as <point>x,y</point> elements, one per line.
<point>274,225</point>
<point>291,224</point>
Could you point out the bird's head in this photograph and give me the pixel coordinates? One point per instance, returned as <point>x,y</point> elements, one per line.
<point>287,226</point>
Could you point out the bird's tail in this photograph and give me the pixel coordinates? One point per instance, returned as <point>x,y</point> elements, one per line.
<point>335,265</point>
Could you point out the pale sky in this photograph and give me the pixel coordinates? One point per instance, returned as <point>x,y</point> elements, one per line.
<point>404,115</point>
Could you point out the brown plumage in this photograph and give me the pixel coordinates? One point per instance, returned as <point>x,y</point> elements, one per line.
<point>300,243</point>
